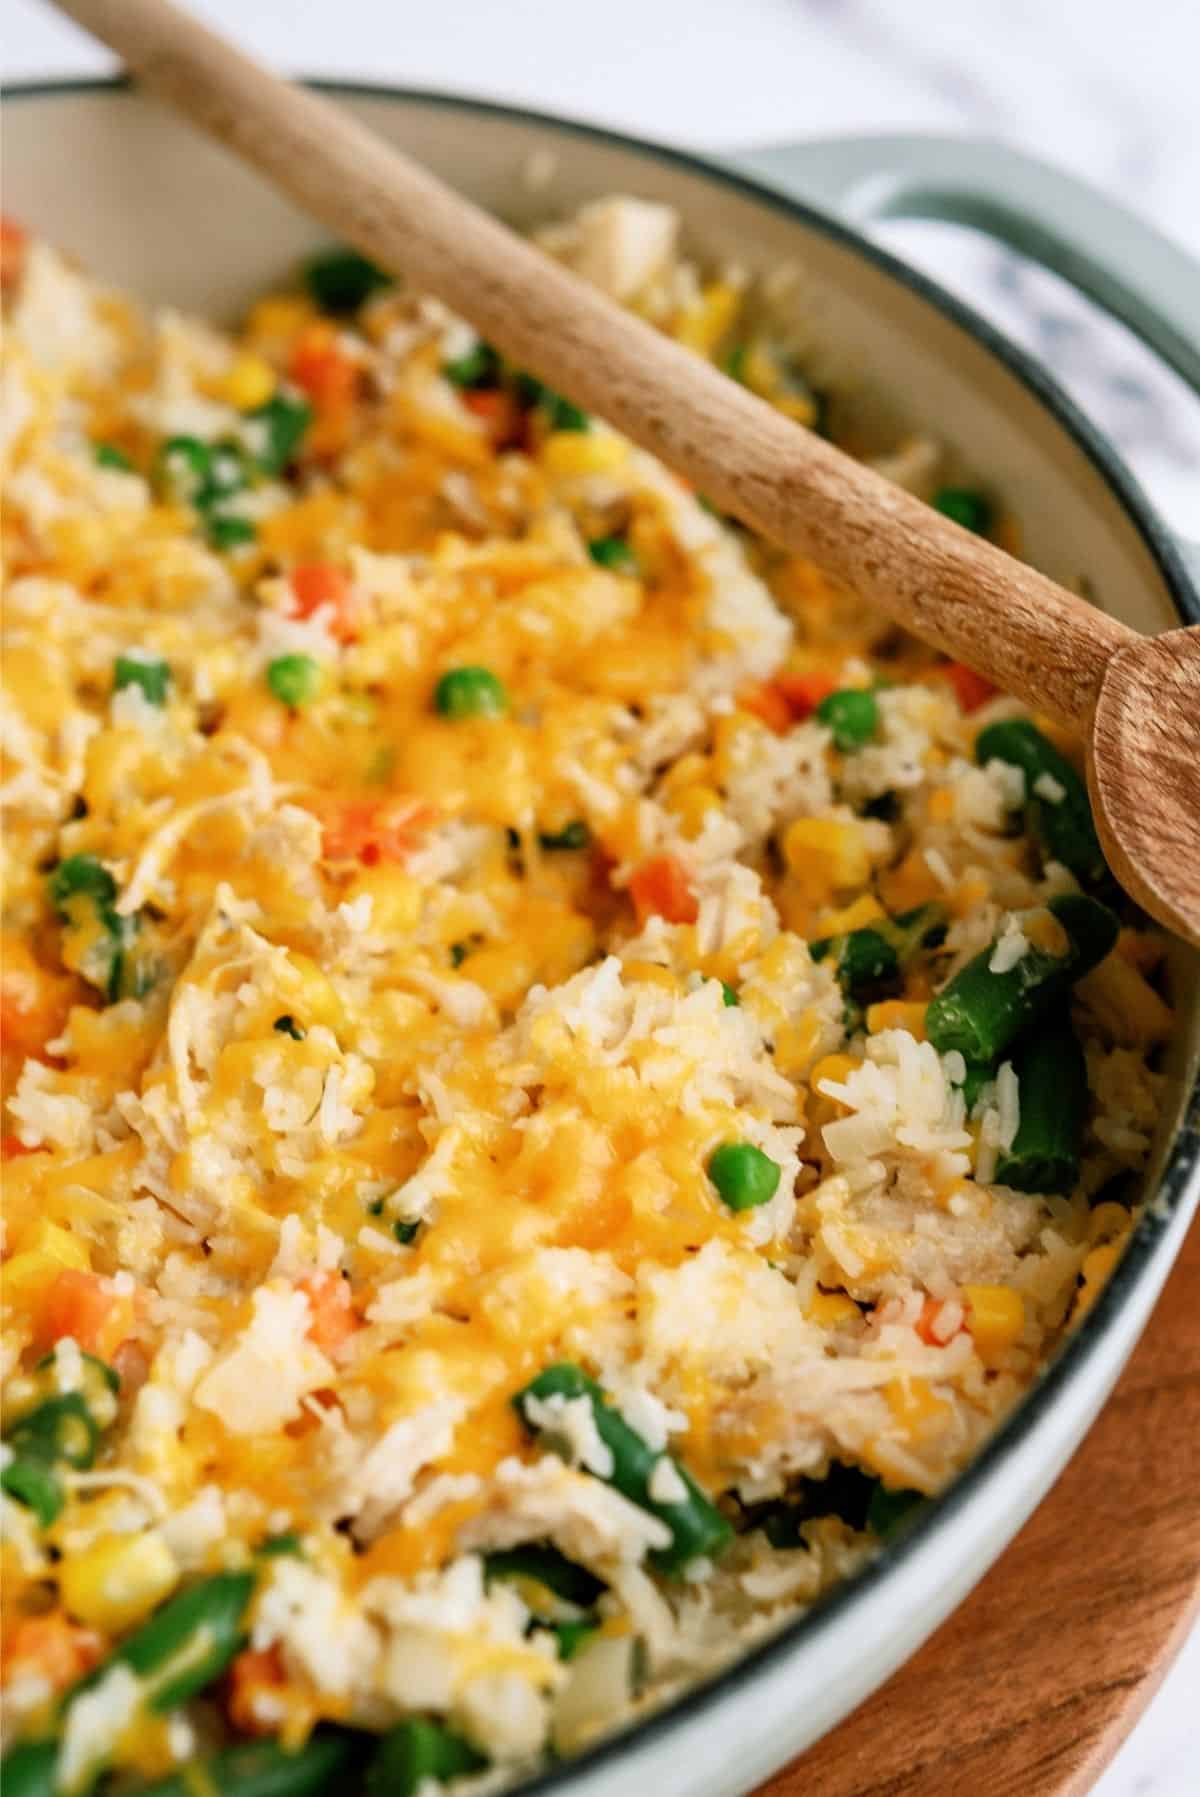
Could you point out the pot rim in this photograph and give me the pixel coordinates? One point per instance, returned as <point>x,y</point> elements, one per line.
<point>1180,1180</point>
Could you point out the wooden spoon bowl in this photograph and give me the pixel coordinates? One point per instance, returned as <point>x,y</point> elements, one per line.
<point>1135,698</point>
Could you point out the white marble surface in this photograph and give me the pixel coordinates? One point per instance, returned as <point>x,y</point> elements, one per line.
<point>1102,87</point>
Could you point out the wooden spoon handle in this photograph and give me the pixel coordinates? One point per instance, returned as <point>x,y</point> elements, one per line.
<point>950,588</point>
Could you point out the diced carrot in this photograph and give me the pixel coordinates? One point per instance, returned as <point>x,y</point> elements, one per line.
<point>334,1318</point>
<point>51,1647</point>
<point>315,584</point>
<point>659,888</point>
<point>926,1324</point>
<point>322,370</point>
<point>802,693</point>
<point>375,830</point>
<point>33,1002</point>
<point>84,1306</point>
<point>498,412</point>
<point>12,1147</point>
<point>767,702</point>
<point>13,244</point>
<point>971,689</point>
<point>255,1683</point>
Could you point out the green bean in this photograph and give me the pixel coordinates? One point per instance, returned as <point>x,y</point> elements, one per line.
<point>873,956</point>
<point>281,1546</point>
<point>1052,1087</point>
<point>150,672</point>
<point>543,1563</point>
<point>479,367</point>
<point>613,553</point>
<point>889,1511</point>
<point>417,1750</point>
<point>1064,825</point>
<point>265,1769</point>
<point>573,1636</point>
<point>280,422</point>
<point>697,1526</point>
<point>62,1428</point>
<point>339,279</point>
<point>107,455</point>
<point>83,878</point>
<point>980,1012</point>
<point>36,1485</point>
<point>965,506</point>
<point>574,835</point>
<point>189,1641</point>
<point>976,1077</point>
<point>845,1491</point>
<point>28,1770</point>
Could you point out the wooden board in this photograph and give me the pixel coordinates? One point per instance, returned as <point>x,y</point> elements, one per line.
<point>1033,1683</point>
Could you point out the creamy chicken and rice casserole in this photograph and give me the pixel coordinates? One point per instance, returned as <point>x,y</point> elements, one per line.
<point>560,1074</point>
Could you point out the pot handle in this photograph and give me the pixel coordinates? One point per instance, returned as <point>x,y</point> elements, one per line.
<point>1110,254</point>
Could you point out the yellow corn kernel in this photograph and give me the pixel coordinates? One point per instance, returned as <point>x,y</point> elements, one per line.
<point>1125,1004</point>
<point>995,1317</point>
<point>855,916</point>
<point>692,806</point>
<point>689,770</point>
<point>316,1000</point>
<point>1107,1222</point>
<point>831,1308</point>
<point>118,1580</point>
<point>970,892</point>
<point>1094,1273</point>
<point>915,1405</point>
<point>47,1250</point>
<point>702,325</point>
<point>825,853</point>
<point>651,972</point>
<point>835,1067</point>
<point>583,452</point>
<point>1043,929</point>
<point>278,318</point>
<point>941,805</point>
<point>395,898</point>
<point>897,1014</point>
<point>249,383</point>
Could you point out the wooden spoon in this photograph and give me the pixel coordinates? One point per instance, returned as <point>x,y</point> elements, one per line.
<point>1136,698</point>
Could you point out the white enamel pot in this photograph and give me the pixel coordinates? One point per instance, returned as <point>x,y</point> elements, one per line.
<point>141,200</point>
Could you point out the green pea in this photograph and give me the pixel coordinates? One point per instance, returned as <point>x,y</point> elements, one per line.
<point>479,367</point>
<point>965,507</point>
<point>728,996</point>
<point>852,714</point>
<point>279,425</point>
<point>417,1751</point>
<point>339,280</point>
<point>470,693</point>
<point>294,679</point>
<point>744,1176</point>
<point>405,1232</point>
<point>613,553</point>
<point>107,455</point>
<point>149,672</point>
<point>574,835</point>
<point>226,530</point>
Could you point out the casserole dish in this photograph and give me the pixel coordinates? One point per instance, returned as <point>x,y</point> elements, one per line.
<point>909,354</point>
